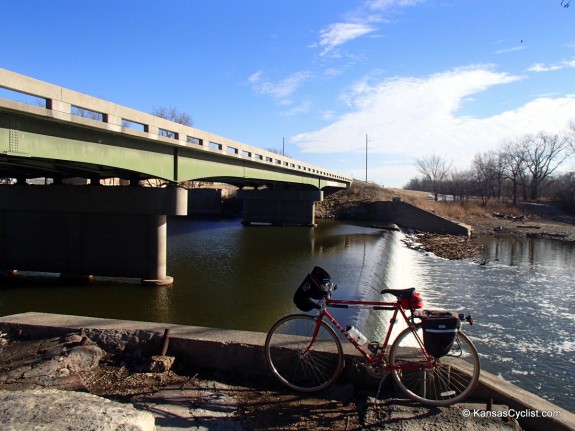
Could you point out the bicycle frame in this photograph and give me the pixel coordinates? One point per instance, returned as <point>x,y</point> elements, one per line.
<point>377,360</point>
<point>305,353</point>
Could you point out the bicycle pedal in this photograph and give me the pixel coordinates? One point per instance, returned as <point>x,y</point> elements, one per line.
<point>377,372</point>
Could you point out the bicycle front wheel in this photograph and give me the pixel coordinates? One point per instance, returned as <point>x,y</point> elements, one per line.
<point>437,382</point>
<point>296,361</point>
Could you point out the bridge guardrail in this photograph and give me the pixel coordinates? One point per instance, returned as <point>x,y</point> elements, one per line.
<point>70,106</point>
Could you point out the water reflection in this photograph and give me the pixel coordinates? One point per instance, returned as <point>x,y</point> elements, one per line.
<point>230,276</point>
<point>526,252</point>
<point>244,277</point>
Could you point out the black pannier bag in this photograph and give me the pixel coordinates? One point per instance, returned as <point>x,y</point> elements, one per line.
<point>311,289</point>
<point>439,333</point>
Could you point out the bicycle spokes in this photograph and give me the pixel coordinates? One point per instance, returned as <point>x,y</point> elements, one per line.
<point>440,382</point>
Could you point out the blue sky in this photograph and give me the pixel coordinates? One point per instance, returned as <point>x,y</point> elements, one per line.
<point>417,77</point>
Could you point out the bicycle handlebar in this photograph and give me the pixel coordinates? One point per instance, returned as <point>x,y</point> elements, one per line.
<point>329,287</point>
<point>467,318</point>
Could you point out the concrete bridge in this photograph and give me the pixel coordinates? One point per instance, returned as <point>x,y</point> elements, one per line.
<point>47,131</point>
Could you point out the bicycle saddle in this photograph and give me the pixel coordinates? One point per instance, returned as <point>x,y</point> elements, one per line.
<point>400,293</point>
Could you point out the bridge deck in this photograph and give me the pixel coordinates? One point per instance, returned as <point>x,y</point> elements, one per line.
<point>101,138</point>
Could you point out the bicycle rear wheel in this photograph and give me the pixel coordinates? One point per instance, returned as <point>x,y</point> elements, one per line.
<point>296,363</point>
<point>447,380</point>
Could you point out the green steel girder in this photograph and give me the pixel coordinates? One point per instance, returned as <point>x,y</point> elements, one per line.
<point>31,146</point>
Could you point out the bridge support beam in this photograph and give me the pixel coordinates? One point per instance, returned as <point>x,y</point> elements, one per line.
<point>280,207</point>
<point>84,231</point>
<point>204,202</point>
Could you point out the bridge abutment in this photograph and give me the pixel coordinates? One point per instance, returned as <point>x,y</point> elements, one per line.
<point>280,207</point>
<point>85,231</point>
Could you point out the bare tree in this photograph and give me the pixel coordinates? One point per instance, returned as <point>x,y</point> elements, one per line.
<point>488,174</point>
<point>545,153</point>
<point>86,113</point>
<point>418,183</point>
<point>459,185</point>
<point>572,137</point>
<point>564,190</point>
<point>435,169</point>
<point>172,114</point>
<point>514,155</point>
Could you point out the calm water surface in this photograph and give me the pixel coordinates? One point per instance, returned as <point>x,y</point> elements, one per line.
<point>230,276</point>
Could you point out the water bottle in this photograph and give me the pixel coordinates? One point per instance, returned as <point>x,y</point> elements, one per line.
<point>356,335</point>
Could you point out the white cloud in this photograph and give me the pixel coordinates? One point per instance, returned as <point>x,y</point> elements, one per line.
<point>540,67</point>
<point>407,117</point>
<point>255,77</point>
<point>281,89</point>
<point>302,108</point>
<point>386,4</point>
<point>328,115</point>
<point>359,24</point>
<point>340,33</point>
<point>513,49</point>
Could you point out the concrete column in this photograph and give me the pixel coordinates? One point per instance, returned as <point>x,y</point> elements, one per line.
<point>157,249</point>
<point>84,231</point>
<point>280,207</point>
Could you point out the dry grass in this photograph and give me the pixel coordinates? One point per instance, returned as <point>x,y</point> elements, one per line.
<point>471,210</point>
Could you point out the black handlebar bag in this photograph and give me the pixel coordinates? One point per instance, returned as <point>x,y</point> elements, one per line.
<point>311,289</point>
<point>439,334</point>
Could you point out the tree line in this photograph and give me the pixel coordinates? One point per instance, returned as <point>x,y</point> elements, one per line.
<point>525,169</point>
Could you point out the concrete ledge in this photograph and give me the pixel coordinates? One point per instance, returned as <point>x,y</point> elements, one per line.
<point>411,217</point>
<point>491,387</point>
<point>197,346</point>
<point>234,350</point>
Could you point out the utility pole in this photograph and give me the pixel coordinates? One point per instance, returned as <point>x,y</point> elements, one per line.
<point>366,157</point>
<point>283,147</point>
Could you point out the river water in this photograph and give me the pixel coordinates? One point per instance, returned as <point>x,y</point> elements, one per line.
<point>230,276</point>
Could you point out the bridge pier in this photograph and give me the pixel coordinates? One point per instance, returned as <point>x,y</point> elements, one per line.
<point>204,202</point>
<point>280,207</point>
<point>84,231</point>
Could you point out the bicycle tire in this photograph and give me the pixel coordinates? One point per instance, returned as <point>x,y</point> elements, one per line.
<point>451,379</point>
<point>294,362</point>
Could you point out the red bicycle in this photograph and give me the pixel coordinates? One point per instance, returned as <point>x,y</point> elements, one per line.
<point>431,360</point>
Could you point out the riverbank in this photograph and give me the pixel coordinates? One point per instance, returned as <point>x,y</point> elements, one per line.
<point>457,247</point>
<point>495,219</point>
<point>227,395</point>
